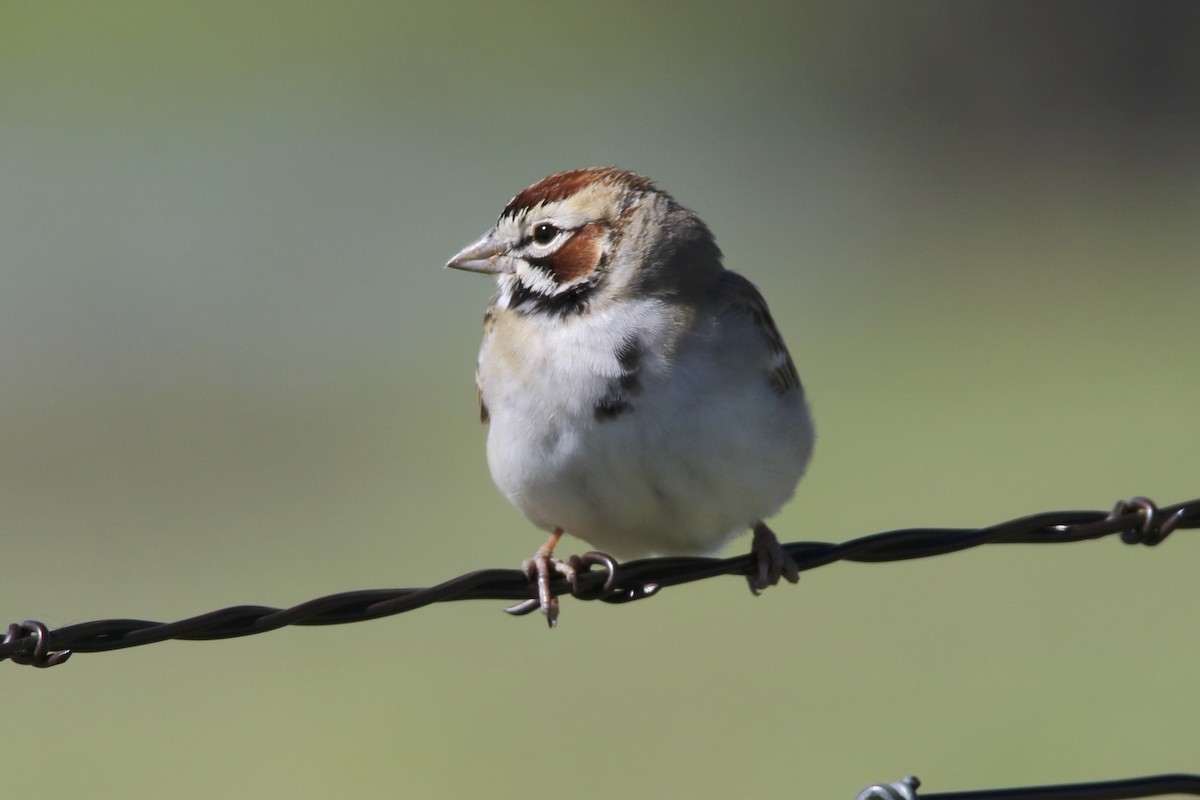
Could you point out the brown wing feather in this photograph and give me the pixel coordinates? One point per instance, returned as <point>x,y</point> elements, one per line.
<point>489,319</point>
<point>781,372</point>
<point>484,416</point>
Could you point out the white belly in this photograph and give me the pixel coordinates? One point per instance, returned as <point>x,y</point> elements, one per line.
<point>703,454</point>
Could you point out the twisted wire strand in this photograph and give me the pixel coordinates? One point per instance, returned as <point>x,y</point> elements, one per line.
<point>1138,521</point>
<point>1120,789</point>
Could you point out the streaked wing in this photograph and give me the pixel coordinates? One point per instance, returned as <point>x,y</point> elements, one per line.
<point>781,371</point>
<point>489,320</point>
<point>484,416</point>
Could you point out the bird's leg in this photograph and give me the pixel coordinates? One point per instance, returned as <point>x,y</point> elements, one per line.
<point>773,561</point>
<point>542,568</point>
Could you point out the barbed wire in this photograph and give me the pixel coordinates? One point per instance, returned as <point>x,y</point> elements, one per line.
<point>1123,789</point>
<point>1137,521</point>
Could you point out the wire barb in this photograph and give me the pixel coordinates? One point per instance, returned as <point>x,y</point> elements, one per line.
<point>1123,789</point>
<point>1138,521</point>
<point>903,789</point>
<point>30,641</point>
<point>1153,531</point>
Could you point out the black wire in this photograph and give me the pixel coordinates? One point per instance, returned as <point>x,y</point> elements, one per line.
<point>1138,521</point>
<point>1151,786</point>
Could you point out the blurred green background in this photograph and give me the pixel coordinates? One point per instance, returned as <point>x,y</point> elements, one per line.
<point>235,372</point>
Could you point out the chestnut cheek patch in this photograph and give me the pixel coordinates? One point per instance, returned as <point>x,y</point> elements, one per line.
<point>579,256</point>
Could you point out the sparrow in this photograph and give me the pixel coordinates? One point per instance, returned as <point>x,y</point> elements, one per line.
<point>638,394</point>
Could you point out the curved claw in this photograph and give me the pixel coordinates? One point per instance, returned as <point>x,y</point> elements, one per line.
<point>541,569</point>
<point>522,608</point>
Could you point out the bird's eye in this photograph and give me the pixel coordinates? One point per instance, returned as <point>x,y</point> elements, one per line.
<point>544,233</point>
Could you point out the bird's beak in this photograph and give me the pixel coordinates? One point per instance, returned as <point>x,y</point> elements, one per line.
<point>485,255</point>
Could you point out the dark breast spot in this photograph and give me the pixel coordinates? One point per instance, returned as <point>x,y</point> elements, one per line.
<point>611,407</point>
<point>629,354</point>
<point>618,398</point>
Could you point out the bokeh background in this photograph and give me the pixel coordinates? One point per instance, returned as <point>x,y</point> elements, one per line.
<point>234,371</point>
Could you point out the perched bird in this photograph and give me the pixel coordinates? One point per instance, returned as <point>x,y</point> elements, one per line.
<point>638,393</point>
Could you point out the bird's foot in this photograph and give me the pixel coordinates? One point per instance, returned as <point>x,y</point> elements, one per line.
<point>773,562</point>
<point>543,568</point>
